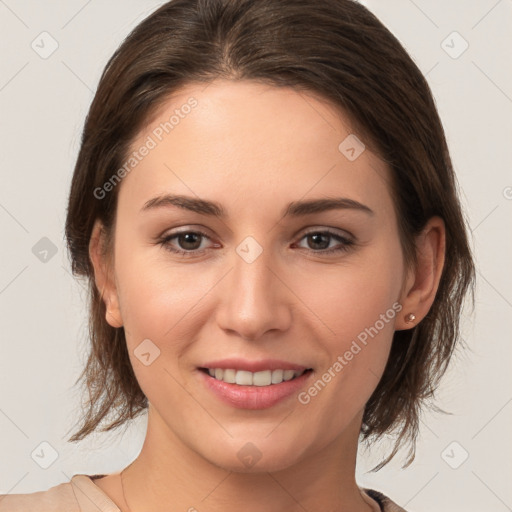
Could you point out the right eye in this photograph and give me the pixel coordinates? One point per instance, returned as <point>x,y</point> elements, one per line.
<point>185,239</point>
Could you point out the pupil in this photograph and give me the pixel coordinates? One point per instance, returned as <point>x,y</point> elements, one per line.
<point>317,238</point>
<point>186,238</point>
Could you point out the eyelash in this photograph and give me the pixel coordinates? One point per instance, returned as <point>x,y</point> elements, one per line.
<point>347,244</point>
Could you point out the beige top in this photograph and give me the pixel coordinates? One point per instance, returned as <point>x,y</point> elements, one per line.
<point>81,494</point>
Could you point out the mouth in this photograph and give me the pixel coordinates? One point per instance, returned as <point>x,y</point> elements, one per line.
<point>253,384</point>
<point>261,378</point>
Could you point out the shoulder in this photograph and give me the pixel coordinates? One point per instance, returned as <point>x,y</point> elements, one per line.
<point>80,494</point>
<point>56,499</point>
<point>386,504</point>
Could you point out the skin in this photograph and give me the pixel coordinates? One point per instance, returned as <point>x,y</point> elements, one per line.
<point>254,148</point>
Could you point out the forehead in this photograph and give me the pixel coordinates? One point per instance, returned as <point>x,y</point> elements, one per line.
<point>256,140</point>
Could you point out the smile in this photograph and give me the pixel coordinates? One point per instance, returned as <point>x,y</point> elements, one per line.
<point>246,378</point>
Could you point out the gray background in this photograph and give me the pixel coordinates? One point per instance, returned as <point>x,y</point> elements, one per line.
<point>43,103</point>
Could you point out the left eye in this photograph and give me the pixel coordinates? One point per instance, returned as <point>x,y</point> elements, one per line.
<point>316,238</point>
<point>190,241</point>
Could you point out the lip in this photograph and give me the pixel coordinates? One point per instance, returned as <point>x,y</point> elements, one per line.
<point>253,366</point>
<point>254,397</point>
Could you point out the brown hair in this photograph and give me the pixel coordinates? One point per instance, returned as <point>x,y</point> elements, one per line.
<point>338,50</point>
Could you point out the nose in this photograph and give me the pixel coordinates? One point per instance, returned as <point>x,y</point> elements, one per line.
<point>254,298</point>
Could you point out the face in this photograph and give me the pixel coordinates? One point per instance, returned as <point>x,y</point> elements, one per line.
<point>269,285</point>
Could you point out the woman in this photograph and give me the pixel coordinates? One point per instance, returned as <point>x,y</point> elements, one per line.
<point>266,212</point>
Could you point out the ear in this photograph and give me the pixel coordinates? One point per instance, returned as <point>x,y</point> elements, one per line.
<point>421,284</point>
<point>104,275</point>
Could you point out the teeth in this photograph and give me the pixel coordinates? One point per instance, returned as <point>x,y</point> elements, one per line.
<point>277,376</point>
<point>229,376</point>
<point>245,378</point>
<point>263,378</point>
<point>242,377</point>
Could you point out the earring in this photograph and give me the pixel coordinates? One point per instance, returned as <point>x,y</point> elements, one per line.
<point>410,318</point>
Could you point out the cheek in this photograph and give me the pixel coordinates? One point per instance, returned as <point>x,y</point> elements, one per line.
<point>157,299</point>
<point>158,303</point>
<point>357,305</point>
<point>352,296</point>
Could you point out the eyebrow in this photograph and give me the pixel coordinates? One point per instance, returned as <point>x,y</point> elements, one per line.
<point>293,209</point>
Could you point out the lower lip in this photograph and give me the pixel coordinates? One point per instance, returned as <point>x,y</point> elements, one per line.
<point>254,397</point>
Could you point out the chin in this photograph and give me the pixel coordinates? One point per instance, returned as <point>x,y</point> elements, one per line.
<point>258,456</point>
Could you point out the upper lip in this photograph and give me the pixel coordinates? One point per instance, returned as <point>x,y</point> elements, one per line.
<point>253,366</point>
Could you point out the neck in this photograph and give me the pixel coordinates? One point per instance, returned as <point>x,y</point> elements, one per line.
<point>168,473</point>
